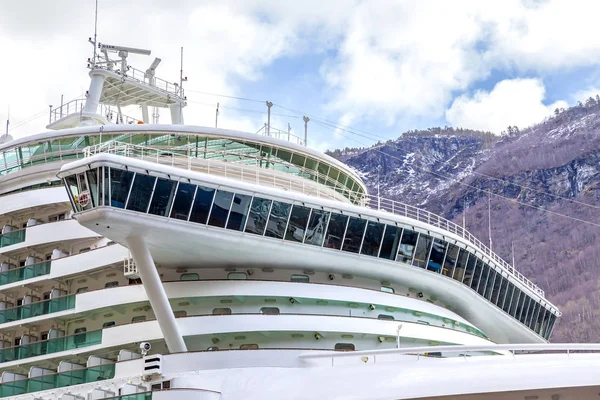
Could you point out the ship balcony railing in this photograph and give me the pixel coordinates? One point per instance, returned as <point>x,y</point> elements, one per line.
<point>10,238</point>
<point>50,346</point>
<point>281,135</point>
<point>77,106</point>
<point>36,309</point>
<point>58,380</point>
<point>182,159</point>
<point>24,273</point>
<point>322,186</point>
<point>169,88</point>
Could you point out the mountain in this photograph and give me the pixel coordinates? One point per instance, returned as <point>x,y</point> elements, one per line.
<point>543,188</point>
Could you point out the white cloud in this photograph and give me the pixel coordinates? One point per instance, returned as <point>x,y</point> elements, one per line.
<point>512,102</point>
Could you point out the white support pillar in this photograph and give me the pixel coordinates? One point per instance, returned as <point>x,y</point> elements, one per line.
<point>176,113</point>
<point>156,294</point>
<point>93,97</point>
<point>145,115</point>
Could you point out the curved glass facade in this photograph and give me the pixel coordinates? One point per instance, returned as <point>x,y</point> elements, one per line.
<point>331,229</point>
<point>231,150</point>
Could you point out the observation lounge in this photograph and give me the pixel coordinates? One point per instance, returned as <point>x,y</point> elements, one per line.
<point>225,207</point>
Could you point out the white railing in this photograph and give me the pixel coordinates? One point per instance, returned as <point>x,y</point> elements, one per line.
<point>141,77</point>
<point>77,105</point>
<point>300,184</point>
<point>280,134</point>
<point>524,349</point>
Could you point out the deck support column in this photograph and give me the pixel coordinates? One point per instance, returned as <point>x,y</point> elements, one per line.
<point>156,294</point>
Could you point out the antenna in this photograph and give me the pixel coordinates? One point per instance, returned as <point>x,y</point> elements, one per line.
<point>95,32</point>
<point>217,115</point>
<point>7,120</point>
<point>490,219</point>
<point>513,254</point>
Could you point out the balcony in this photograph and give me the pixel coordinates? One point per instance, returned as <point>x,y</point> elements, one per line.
<point>50,346</point>
<point>10,238</point>
<point>28,272</point>
<point>39,308</point>
<point>59,380</point>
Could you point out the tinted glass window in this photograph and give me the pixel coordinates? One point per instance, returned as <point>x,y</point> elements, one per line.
<point>472,262</point>
<point>519,310</point>
<point>202,203</point>
<point>422,251</point>
<point>461,263</point>
<point>120,181</point>
<point>92,177</point>
<point>515,301</point>
<point>220,208</point>
<point>354,234</point>
<point>489,287</point>
<point>484,278</point>
<point>450,261</point>
<point>298,222</point>
<point>391,240</point>
<point>478,266</point>
<point>407,246</point>
<point>335,231</point>
<point>524,308</point>
<point>183,201</point>
<point>496,289</point>
<point>73,188</point>
<point>239,212</point>
<point>372,240</point>
<point>509,294</point>
<point>502,293</point>
<point>278,219</point>
<point>436,257</point>
<point>164,192</point>
<point>316,227</point>
<point>106,186</point>
<point>141,193</point>
<point>259,212</point>
<point>534,315</point>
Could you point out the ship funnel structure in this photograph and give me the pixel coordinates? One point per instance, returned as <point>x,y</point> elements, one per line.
<point>116,84</point>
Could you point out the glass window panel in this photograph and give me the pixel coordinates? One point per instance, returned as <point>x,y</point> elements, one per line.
<point>534,315</point>
<point>502,293</point>
<point>509,295</point>
<point>461,263</point>
<point>92,176</point>
<point>202,203</point>
<point>278,219</point>
<point>220,208</point>
<point>183,201</point>
<point>120,182</point>
<point>297,225</point>
<point>525,309</point>
<point>545,319</point>
<point>284,155</point>
<point>450,261</point>
<point>490,284</point>
<point>391,240</point>
<point>472,262</point>
<point>335,231</point>
<point>476,273</point>
<point>514,303</point>
<point>372,241</point>
<point>316,227</point>
<point>71,182</point>
<point>485,272</point>
<point>354,234</point>
<point>141,192</point>
<point>540,317</point>
<point>522,299</point>
<point>551,321</point>
<point>496,289</point>
<point>164,192</point>
<point>422,251</point>
<point>436,257</point>
<point>106,186</point>
<point>407,246</point>
<point>259,212</point>
<point>298,159</point>
<point>239,212</point>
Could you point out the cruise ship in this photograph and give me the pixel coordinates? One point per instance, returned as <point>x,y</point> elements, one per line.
<point>144,261</point>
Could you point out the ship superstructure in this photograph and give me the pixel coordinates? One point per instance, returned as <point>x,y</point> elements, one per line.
<point>230,258</point>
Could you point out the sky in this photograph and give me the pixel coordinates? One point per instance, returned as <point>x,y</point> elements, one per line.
<point>380,67</point>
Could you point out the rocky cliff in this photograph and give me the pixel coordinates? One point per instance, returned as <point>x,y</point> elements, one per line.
<point>543,188</point>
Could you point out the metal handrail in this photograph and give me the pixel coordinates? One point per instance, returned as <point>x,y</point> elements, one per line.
<point>295,183</point>
<point>77,106</point>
